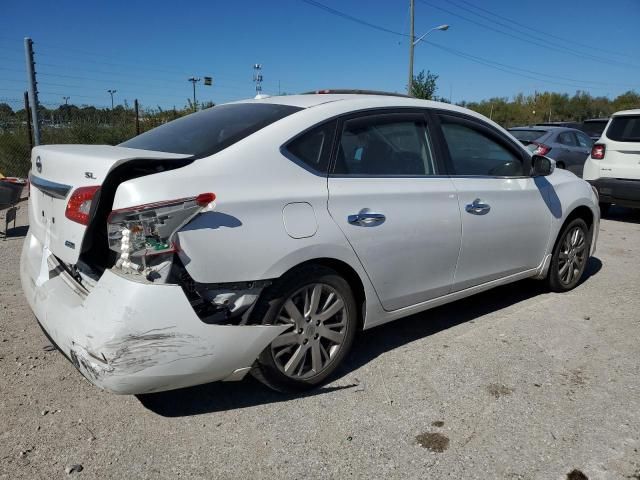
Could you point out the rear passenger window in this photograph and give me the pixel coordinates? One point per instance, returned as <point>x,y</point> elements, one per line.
<point>584,141</point>
<point>475,153</point>
<point>313,148</point>
<point>567,138</point>
<point>388,145</point>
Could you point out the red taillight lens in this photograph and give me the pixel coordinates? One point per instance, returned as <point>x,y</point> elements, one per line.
<point>542,149</point>
<point>597,151</point>
<point>205,199</point>
<point>80,204</point>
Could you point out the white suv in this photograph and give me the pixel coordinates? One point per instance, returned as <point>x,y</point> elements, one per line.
<point>261,235</point>
<point>614,165</point>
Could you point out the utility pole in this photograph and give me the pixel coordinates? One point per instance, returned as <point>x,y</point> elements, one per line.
<point>33,90</point>
<point>257,78</point>
<point>135,106</point>
<point>66,100</point>
<point>411,43</point>
<point>111,92</point>
<point>194,80</point>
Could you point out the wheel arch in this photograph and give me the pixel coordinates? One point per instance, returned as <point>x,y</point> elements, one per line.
<point>580,211</point>
<point>348,273</point>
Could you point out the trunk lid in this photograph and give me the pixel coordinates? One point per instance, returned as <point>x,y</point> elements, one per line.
<point>56,172</point>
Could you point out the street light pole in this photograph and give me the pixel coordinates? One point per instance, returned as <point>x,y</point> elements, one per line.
<point>411,43</point>
<point>194,80</point>
<point>66,100</point>
<point>111,92</point>
<point>414,41</point>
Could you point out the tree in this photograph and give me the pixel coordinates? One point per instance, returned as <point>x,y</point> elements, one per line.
<point>424,85</point>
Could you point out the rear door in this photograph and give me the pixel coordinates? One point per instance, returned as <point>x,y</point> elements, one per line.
<point>400,217</point>
<point>505,220</point>
<point>622,156</point>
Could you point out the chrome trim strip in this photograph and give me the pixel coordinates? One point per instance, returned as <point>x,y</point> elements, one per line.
<point>53,189</point>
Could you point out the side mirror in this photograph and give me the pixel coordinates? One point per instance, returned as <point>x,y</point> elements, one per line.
<point>542,166</point>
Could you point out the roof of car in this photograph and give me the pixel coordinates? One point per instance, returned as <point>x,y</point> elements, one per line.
<point>627,112</point>
<point>357,101</point>
<point>543,127</point>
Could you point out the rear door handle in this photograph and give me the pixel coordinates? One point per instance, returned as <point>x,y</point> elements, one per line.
<point>478,207</point>
<point>365,219</point>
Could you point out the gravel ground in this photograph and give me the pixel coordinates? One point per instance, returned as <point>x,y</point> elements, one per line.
<point>512,383</point>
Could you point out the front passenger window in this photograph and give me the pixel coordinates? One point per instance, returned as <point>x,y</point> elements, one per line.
<point>474,153</point>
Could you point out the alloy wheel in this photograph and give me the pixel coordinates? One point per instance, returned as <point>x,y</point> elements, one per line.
<point>572,255</point>
<point>318,319</point>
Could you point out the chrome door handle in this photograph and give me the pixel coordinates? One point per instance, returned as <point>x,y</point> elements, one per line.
<point>366,218</point>
<point>478,207</point>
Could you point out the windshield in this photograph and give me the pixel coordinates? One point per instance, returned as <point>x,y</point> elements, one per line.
<point>527,136</point>
<point>212,130</point>
<point>625,129</point>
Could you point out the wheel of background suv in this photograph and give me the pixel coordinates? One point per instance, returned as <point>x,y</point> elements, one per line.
<point>560,165</point>
<point>320,308</point>
<point>570,256</point>
<point>604,208</point>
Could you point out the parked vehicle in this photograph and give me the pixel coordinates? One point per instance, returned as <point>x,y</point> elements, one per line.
<point>569,147</point>
<point>594,127</point>
<point>614,165</point>
<point>261,235</point>
<point>576,125</point>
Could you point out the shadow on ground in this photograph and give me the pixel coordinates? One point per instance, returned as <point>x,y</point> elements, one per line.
<point>17,232</point>
<point>219,396</point>
<point>622,214</point>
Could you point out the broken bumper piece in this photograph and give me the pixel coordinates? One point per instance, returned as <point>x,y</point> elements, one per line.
<point>131,338</point>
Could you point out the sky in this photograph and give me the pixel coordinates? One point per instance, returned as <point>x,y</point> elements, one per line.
<point>148,50</point>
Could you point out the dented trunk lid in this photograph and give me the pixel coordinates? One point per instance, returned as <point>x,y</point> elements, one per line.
<point>56,171</point>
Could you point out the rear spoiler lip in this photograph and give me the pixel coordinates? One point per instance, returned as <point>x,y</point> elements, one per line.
<point>53,189</point>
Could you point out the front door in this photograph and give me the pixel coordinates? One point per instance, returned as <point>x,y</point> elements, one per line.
<point>505,220</point>
<point>401,219</point>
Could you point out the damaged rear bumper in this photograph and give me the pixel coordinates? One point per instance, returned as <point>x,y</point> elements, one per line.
<point>130,338</point>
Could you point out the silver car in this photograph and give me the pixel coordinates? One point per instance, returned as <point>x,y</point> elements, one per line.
<point>569,147</point>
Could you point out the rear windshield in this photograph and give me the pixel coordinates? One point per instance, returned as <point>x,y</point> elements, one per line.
<point>211,130</point>
<point>527,136</point>
<point>625,129</point>
<point>594,128</point>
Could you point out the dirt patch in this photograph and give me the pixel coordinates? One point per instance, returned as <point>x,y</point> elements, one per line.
<point>576,475</point>
<point>499,390</point>
<point>437,423</point>
<point>436,442</point>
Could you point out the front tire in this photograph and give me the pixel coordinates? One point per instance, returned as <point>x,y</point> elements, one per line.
<point>320,308</point>
<point>570,256</point>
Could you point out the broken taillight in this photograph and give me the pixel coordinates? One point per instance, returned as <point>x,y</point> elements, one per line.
<point>79,204</point>
<point>143,235</point>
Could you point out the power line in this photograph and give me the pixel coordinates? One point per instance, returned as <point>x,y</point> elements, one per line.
<point>537,30</point>
<point>548,45</point>
<point>350,17</point>
<point>477,59</point>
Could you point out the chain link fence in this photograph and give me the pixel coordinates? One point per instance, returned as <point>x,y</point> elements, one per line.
<point>65,124</point>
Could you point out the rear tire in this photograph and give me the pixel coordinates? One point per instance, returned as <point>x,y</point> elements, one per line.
<point>320,307</point>
<point>604,208</point>
<point>570,256</point>
<point>560,165</point>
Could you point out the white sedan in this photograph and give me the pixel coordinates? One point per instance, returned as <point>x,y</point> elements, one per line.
<point>259,236</point>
